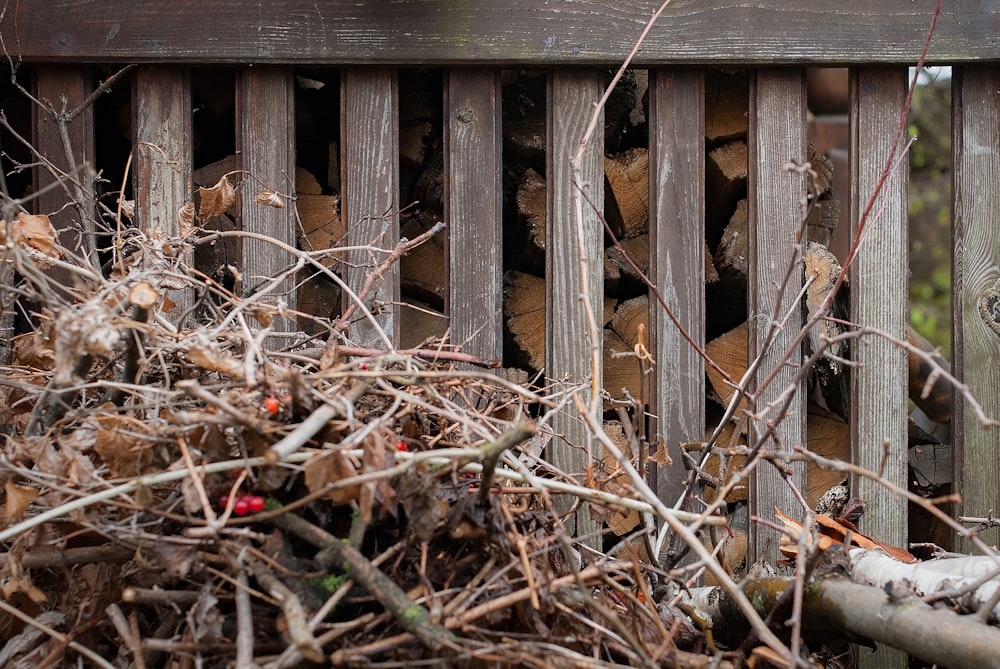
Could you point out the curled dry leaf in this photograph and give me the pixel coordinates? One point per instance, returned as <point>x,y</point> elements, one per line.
<point>214,361</point>
<point>217,200</point>
<point>19,498</point>
<point>270,198</point>
<point>185,219</point>
<point>833,532</point>
<point>128,208</point>
<point>34,232</point>
<point>331,467</point>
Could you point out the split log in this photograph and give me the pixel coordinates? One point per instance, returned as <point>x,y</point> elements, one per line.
<point>826,434</point>
<point>727,96</point>
<point>420,324</point>
<point>428,190</point>
<point>622,369</point>
<point>524,313</point>
<point>627,201</point>
<point>320,297</point>
<point>422,272</point>
<point>937,402</point>
<point>726,170</point>
<point>531,212</point>
<point>617,270</point>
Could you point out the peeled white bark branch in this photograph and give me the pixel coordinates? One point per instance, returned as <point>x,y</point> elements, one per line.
<point>934,635</point>
<point>962,574</point>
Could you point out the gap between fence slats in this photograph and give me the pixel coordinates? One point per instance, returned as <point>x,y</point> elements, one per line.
<point>777,136</point>
<point>370,186</point>
<point>473,211</point>
<point>266,143</point>
<point>161,108</point>
<point>53,85</point>
<point>878,413</point>
<point>677,263</point>
<point>568,353</point>
<point>976,285</point>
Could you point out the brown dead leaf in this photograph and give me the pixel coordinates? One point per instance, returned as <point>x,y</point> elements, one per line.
<point>185,219</point>
<point>128,208</point>
<point>19,498</point>
<point>215,361</point>
<point>835,532</point>
<point>217,200</point>
<point>330,468</point>
<point>270,198</point>
<point>35,232</point>
<point>122,444</point>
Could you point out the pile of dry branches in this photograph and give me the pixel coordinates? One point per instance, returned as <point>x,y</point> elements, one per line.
<point>183,489</point>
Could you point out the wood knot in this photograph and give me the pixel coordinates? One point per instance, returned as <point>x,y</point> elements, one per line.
<point>989,307</point>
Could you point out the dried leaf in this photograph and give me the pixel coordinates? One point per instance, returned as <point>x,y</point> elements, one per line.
<point>128,208</point>
<point>19,498</point>
<point>834,532</point>
<point>330,468</point>
<point>217,200</point>
<point>185,219</point>
<point>122,444</point>
<point>270,198</point>
<point>35,232</point>
<point>214,361</point>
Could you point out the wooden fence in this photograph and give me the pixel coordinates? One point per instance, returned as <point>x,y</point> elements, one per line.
<point>577,42</point>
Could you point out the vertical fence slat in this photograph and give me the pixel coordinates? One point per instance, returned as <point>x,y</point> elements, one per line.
<point>473,210</point>
<point>370,185</point>
<point>677,261</point>
<point>879,408</point>
<point>53,84</point>
<point>161,107</point>
<point>777,136</point>
<point>266,142</point>
<point>976,286</point>
<point>568,353</point>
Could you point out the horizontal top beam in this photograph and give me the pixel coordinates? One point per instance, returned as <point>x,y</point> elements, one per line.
<point>499,32</point>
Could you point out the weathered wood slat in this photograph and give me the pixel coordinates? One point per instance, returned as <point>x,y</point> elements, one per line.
<point>677,262</point>
<point>64,88</point>
<point>266,143</point>
<point>777,137</point>
<point>369,168</point>
<point>574,246</point>
<point>509,32</point>
<point>473,211</point>
<point>976,285</point>
<point>879,405</point>
<point>161,106</point>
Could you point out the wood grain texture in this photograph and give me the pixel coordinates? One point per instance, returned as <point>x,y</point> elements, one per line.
<point>573,264</point>
<point>508,32</point>
<point>473,211</point>
<point>879,290</point>
<point>976,273</point>
<point>266,141</point>
<point>369,168</point>
<point>777,137</point>
<point>63,88</point>
<point>161,107</point>
<point>677,262</point>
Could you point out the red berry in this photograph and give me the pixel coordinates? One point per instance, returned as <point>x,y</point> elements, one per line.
<point>364,367</point>
<point>255,503</point>
<point>242,507</point>
<point>224,501</point>
<point>401,446</point>
<point>272,405</point>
